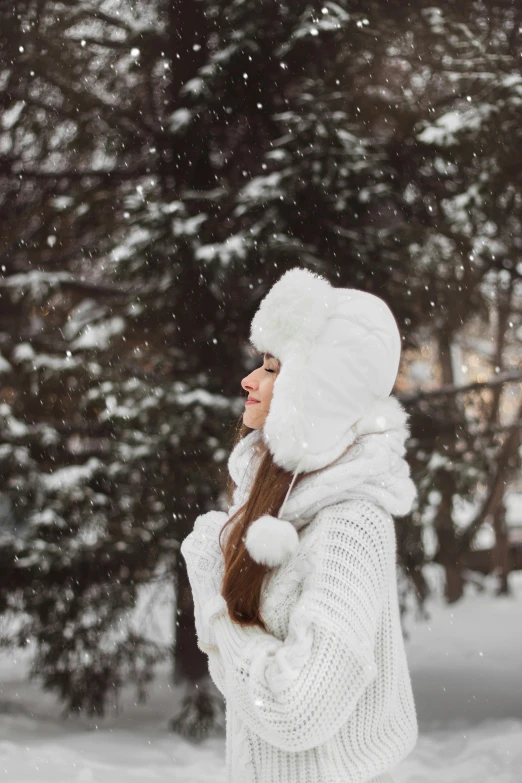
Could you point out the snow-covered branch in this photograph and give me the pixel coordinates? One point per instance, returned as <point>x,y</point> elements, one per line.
<point>452,390</point>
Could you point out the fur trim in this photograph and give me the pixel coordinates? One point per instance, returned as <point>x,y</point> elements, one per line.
<point>270,541</point>
<point>284,426</point>
<point>284,429</point>
<point>386,414</point>
<point>293,313</point>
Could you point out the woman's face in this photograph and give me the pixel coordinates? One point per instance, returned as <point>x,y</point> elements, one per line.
<point>259,385</point>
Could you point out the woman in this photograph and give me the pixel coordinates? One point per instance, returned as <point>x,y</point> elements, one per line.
<point>295,589</point>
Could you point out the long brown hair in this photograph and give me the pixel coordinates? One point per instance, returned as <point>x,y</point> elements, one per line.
<point>243,577</point>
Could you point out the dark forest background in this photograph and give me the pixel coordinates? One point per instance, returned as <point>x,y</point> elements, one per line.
<point>162,163</point>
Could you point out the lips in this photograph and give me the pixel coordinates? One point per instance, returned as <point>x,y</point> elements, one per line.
<point>252,402</point>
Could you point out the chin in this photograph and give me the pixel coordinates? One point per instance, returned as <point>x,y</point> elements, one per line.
<point>251,423</point>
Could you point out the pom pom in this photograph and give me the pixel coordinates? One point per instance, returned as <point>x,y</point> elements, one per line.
<point>270,541</point>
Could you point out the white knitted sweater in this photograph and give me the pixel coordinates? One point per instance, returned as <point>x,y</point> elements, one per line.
<point>326,696</point>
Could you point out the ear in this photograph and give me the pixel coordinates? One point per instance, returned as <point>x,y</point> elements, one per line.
<point>270,541</point>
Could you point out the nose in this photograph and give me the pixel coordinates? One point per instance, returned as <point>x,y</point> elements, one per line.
<point>249,383</point>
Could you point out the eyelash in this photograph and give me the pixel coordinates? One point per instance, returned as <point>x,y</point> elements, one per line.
<point>266,370</point>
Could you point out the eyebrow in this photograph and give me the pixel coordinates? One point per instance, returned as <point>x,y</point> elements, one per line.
<point>278,363</point>
<point>266,355</point>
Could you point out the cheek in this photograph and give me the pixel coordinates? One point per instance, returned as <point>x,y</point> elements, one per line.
<point>268,389</point>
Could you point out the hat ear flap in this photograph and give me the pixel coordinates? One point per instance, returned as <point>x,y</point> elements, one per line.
<point>270,540</point>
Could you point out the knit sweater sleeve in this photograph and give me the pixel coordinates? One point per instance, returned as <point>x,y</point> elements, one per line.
<point>204,562</point>
<point>297,693</point>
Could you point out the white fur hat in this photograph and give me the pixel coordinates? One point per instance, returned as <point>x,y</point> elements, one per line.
<point>339,350</point>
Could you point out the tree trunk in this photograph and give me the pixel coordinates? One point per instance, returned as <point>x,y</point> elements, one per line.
<point>411,555</point>
<point>504,312</point>
<point>202,706</point>
<point>448,552</point>
<point>501,558</point>
<point>189,662</point>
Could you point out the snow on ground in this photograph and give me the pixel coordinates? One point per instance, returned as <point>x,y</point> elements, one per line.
<point>466,667</point>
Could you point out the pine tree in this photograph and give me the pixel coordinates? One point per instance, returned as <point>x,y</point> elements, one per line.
<point>165,163</point>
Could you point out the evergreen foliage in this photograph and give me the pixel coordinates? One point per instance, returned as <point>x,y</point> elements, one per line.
<point>162,164</point>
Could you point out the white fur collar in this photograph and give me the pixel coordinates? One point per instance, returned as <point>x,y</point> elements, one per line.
<point>374,467</point>
<point>385,415</point>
